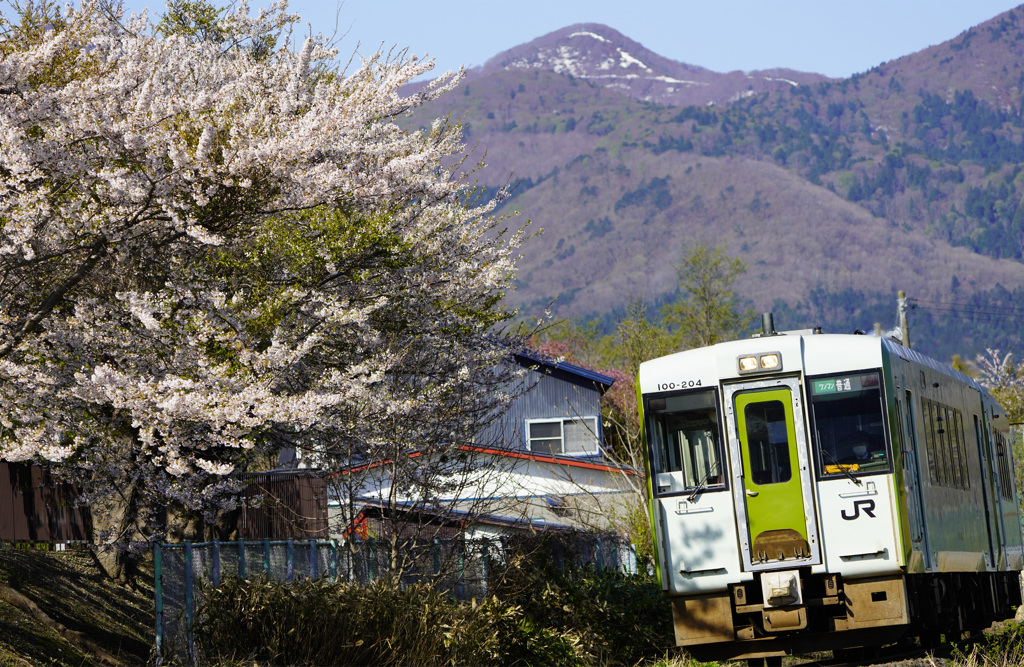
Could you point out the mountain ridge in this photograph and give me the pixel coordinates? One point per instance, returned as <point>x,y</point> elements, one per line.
<point>593,51</point>
<point>836,193</point>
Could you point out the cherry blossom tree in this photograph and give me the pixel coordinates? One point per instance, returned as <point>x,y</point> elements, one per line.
<point>217,243</point>
<point>1002,376</point>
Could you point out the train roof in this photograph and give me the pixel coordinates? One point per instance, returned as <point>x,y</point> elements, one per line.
<point>813,353</point>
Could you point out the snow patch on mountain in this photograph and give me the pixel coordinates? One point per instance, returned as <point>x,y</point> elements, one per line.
<point>588,34</point>
<point>625,60</point>
<point>607,58</point>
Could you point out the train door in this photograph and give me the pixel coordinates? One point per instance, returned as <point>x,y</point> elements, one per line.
<point>773,491</point>
<point>990,495</point>
<point>912,477</point>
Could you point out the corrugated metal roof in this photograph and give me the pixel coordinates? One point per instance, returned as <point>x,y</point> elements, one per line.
<point>595,462</point>
<point>531,357</point>
<point>590,462</point>
<point>463,517</point>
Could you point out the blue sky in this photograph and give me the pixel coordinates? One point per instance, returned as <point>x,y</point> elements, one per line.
<point>832,37</point>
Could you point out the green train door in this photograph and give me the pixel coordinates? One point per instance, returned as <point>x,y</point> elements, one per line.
<point>772,470</point>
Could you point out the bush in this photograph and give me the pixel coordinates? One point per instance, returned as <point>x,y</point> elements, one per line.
<point>1004,648</point>
<point>318,622</point>
<point>544,609</point>
<point>620,619</point>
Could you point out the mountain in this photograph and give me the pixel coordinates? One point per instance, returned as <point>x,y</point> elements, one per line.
<point>599,54</point>
<point>836,193</point>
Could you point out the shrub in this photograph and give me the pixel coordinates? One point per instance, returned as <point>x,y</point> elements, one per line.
<point>999,649</point>
<point>318,622</point>
<point>544,610</point>
<point>619,618</point>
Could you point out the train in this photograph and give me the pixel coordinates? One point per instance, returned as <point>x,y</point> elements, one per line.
<point>813,492</point>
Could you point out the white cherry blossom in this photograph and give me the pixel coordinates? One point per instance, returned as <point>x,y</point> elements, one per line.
<point>206,256</point>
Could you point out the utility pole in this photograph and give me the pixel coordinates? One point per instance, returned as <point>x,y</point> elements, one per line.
<point>901,308</point>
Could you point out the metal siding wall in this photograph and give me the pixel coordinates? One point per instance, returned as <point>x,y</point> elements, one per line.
<point>289,506</point>
<point>549,397</point>
<point>33,507</point>
<point>38,524</point>
<point>7,496</point>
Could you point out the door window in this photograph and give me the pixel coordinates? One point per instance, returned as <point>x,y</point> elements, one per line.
<point>767,442</point>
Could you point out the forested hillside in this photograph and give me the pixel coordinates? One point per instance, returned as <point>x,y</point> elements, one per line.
<point>836,193</point>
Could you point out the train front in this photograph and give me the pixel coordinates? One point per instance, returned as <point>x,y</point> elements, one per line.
<point>769,540</point>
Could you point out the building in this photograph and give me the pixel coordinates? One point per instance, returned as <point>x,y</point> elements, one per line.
<point>541,467</point>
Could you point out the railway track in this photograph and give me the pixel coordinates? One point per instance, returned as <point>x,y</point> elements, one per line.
<point>936,656</point>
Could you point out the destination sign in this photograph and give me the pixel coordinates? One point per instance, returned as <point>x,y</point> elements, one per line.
<point>843,384</point>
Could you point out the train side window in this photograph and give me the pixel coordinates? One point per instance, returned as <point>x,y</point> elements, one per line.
<point>959,437</point>
<point>942,444</point>
<point>931,451</point>
<point>1004,466</point>
<point>946,445</point>
<point>685,438</point>
<point>849,424</point>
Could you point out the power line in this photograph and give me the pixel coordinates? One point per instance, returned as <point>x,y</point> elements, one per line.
<point>976,312</point>
<point>961,304</point>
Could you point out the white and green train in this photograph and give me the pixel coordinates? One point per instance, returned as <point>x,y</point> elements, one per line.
<point>814,492</point>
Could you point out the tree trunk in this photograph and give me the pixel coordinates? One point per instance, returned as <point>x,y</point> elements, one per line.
<point>114,528</point>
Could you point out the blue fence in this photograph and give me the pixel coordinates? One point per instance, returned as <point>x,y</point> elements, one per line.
<point>461,567</point>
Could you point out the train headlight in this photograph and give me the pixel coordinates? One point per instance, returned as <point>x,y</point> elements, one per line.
<point>771,361</point>
<point>748,364</point>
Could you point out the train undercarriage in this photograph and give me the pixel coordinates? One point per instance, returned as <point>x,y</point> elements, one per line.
<point>839,615</point>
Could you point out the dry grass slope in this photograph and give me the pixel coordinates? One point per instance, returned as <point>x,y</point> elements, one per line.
<point>59,609</point>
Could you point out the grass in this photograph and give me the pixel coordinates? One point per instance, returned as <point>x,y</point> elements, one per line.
<point>59,609</point>
<point>1003,647</point>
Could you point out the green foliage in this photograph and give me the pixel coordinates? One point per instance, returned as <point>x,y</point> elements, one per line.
<point>318,623</point>
<point>707,313</point>
<point>194,19</point>
<point>654,193</point>
<point>680,660</point>
<point>356,248</point>
<point>620,619</point>
<point>29,24</point>
<point>1003,648</point>
<point>636,340</point>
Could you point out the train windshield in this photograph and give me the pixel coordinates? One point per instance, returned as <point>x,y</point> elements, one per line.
<point>848,419</point>
<point>684,436</point>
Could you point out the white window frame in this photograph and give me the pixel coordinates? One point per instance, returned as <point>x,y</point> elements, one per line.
<point>590,422</point>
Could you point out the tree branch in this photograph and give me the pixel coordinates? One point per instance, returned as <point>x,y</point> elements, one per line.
<point>96,252</point>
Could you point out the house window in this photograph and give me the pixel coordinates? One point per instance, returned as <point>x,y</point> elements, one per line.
<point>575,437</point>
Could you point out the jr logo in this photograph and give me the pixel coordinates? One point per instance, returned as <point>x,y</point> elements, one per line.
<point>869,509</point>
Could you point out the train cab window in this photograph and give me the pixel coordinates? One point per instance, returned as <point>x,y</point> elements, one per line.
<point>848,421</point>
<point>685,442</point>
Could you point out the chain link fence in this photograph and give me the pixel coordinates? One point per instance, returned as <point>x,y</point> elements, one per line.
<point>461,567</point>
